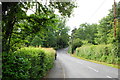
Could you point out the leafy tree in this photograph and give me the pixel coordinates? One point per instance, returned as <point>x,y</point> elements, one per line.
<point>62,35</point>
<point>12,13</point>
<point>86,32</point>
<point>101,33</point>
<point>105,30</point>
<point>17,25</point>
<point>76,43</point>
<point>65,8</point>
<point>55,37</point>
<point>36,41</point>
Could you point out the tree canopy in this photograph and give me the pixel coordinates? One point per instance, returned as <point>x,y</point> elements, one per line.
<point>20,29</point>
<point>101,33</point>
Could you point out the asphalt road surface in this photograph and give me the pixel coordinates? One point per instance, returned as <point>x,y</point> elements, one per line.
<point>67,66</point>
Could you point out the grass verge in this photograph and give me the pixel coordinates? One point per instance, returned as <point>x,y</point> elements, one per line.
<point>103,63</point>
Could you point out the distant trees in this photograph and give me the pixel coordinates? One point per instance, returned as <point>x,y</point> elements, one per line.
<point>86,32</point>
<point>62,35</point>
<point>101,33</point>
<point>53,37</point>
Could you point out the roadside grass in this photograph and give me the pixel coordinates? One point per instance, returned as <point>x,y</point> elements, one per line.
<point>103,63</point>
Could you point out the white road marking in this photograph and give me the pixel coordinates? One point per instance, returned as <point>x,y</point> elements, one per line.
<point>93,69</point>
<point>109,77</point>
<point>80,62</point>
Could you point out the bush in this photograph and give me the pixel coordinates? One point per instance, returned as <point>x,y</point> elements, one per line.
<point>27,63</point>
<point>104,53</point>
<point>74,44</point>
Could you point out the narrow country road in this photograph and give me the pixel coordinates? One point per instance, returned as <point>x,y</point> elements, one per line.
<point>71,67</point>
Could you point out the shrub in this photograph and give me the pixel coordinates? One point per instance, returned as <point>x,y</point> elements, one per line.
<point>74,44</point>
<point>104,53</point>
<point>27,63</point>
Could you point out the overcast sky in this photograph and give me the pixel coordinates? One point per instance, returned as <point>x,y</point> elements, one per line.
<point>90,11</point>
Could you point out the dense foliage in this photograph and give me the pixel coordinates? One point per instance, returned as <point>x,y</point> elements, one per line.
<point>28,63</point>
<point>104,46</point>
<point>41,28</point>
<point>74,44</point>
<point>20,29</point>
<point>104,53</point>
<point>53,37</point>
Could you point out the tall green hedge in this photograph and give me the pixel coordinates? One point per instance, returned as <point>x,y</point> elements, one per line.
<point>27,63</point>
<point>103,53</point>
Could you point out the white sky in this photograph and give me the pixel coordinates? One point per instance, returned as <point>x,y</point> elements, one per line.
<point>90,11</point>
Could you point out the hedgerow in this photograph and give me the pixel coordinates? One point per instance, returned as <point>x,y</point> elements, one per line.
<point>27,63</point>
<point>103,53</point>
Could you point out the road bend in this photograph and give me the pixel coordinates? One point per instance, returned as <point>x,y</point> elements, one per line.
<point>67,66</point>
